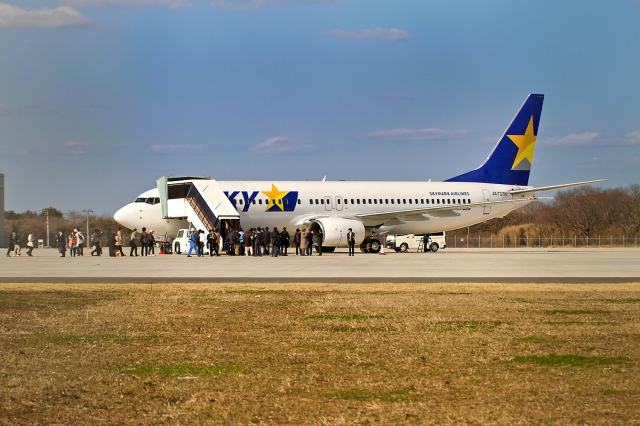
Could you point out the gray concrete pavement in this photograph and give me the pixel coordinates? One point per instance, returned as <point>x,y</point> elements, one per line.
<point>450,265</point>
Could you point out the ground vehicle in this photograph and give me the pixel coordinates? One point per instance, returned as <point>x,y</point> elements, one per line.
<point>404,243</point>
<point>181,242</point>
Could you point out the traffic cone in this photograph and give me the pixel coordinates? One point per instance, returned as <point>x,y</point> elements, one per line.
<point>382,253</point>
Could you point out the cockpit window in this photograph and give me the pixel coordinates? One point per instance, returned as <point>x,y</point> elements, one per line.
<point>140,200</point>
<point>149,201</point>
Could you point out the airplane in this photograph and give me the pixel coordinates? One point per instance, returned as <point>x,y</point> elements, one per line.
<point>371,209</point>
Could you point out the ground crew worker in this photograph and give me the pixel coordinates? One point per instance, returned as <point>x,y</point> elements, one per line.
<point>351,241</point>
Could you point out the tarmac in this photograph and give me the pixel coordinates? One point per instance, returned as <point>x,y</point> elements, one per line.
<point>542,265</point>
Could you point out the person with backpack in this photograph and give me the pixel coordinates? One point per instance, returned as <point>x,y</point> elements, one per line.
<point>80,246</point>
<point>95,240</point>
<point>275,241</point>
<point>257,243</point>
<point>247,242</point>
<point>240,249</point>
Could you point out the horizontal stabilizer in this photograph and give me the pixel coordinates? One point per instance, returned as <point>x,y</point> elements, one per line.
<point>530,192</point>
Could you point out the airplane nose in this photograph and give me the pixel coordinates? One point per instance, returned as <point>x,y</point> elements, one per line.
<point>124,217</point>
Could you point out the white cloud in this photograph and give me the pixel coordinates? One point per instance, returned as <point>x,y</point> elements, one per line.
<point>392,34</point>
<point>257,4</point>
<point>281,145</point>
<point>170,149</point>
<point>174,4</point>
<point>595,139</point>
<point>430,133</point>
<point>60,17</point>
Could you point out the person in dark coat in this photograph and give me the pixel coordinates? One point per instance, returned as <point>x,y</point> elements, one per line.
<point>351,241</point>
<point>111,243</point>
<point>275,241</point>
<point>12,243</point>
<point>296,241</point>
<point>257,241</point>
<point>95,240</point>
<point>310,242</point>
<point>284,241</point>
<point>319,238</point>
<point>62,243</point>
<point>132,243</point>
<point>247,242</point>
<point>266,240</point>
<point>144,240</point>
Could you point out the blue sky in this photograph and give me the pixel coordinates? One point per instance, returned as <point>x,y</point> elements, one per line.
<point>98,98</point>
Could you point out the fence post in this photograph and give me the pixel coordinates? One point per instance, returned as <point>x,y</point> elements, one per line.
<point>587,241</point>
<point>455,241</point>
<point>503,241</point>
<point>527,241</point>
<point>598,241</point>
<point>623,241</point>
<point>479,245</point>
<point>491,240</point>
<point>551,243</point>
<point>515,242</point>
<point>539,243</point>
<point>575,241</point>
<point>562,240</point>
<point>611,238</point>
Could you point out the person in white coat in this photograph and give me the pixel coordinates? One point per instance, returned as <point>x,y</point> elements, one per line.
<point>30,244</point>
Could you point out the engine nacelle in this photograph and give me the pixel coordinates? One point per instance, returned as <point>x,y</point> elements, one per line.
<point>335,230</point>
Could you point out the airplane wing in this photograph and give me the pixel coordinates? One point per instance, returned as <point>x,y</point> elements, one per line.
<point>530,192</point>
<point>440,211</point>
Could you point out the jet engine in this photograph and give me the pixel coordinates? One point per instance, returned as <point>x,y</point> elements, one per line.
<point>335,230</point>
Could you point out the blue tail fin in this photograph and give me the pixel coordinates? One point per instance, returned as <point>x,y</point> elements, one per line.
<point>510,161</point>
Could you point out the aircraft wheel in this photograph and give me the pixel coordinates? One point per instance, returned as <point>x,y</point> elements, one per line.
<point>404,247</point>
<point>328,249</point>
<point>434,247</point>
<point>176,248</point>
<point>374,246</point>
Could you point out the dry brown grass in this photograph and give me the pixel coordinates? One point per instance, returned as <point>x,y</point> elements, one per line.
<point>319,354</point>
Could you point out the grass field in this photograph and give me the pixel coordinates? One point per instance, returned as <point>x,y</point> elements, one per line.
<point>320,354</point>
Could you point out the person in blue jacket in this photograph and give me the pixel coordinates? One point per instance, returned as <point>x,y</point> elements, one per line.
<point>193,243</point>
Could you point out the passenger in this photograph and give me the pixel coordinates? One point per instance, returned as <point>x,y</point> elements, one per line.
<point>257,243</point>
<point>62,243</point>
<point>95,240</point>
<point>303,241</point>
<point>247,242</point>
<point>319,236</point>
<point>132,243</point>
<point>266,240</point>
<point>216,242</point>
<point>210,237</point>
<point>284,241</point>
<point>119,242</point>
<point>151,238</point>
<point>80,246</point>
<point>193,243</point>
<point>199,241</point>
<point>310,242</point>
<point>16,245</point>
<point>30,244</point>
<point>296,241</point>
<point>11,244</point>
<point>144,240</point>
<point>275,241</point>
<point>73,242</point>
<point>111,243</point>
<point>240,247</point>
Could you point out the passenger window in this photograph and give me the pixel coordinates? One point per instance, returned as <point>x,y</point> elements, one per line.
<point>358,200</point>
<point>369,200</point>
<point>240,202</point>
<point>299,201</point>
<point>448,201</point>
<point>421,201</point>
<point>339,201</point>
<point>386,201</point>
<point>438,200</point>
<point>364,201</point>
<point>392,201</point>
<point>427,201</point>
<point>398,200</point>
<point>380,200</point>
<point>458,200</point>
<point>317,201</point>
<point>322,201</point>
<point>404,201</point>
<point>254,201</point>
<point>410,201</point>
<point>375,201</point>
<point>469,201</point>
<point>260,201</point>
<point>280,201</point>
<point>310,201</point>
<point>352,201</point>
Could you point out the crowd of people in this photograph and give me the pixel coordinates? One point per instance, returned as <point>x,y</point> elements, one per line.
<point>255,242</point>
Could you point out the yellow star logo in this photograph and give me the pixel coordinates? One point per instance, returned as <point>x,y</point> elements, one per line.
<point>275,197</point>
<point>526,144</point>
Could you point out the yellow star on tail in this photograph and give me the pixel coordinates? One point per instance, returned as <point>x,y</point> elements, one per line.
<point>274,196</point>
<point>526,144</point>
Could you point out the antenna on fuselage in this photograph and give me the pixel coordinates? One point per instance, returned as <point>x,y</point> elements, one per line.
<point>324,178</point>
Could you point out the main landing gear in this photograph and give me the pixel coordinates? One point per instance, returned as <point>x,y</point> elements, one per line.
<point>370,245</point>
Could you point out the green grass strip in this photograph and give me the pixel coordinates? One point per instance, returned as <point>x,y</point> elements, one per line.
<point>572,360</point>
<point>179,369</point>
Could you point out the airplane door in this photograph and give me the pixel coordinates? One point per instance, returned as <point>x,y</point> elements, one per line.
<point>327,203</point>
<point>339,202</point>
<point>487,197</point>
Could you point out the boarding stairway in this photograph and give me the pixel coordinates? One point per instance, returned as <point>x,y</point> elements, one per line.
<point>199,200</point>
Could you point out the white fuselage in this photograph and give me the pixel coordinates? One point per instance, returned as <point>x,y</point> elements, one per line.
<point>341,199</point>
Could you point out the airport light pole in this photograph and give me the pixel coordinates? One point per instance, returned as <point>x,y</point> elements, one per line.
<point>48,233</point>
<point>86,239</point>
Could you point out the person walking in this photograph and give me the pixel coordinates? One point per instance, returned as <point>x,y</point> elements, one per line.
<point>95,240</point>
<point>30,244</point>
<point>351,241</point>
<point>16,245</point>
<point>73,242</point>
<point>62,243</point>
<point>151,241</point>
<point>80,246</point>
<point>210,237</point>
<point>304,241</point>
<point>285,240</point>
<point>119,242</point>
<point>132,243</point>
<point>111,243</point>
<point>11,245</point>
<point>143,242</point>
<point>247,242</point>
<point>193,243</point>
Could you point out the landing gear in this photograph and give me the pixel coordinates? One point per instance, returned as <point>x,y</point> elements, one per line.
<point>370,245</point>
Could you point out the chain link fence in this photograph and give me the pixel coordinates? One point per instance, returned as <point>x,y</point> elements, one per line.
<point>516,241</point>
